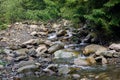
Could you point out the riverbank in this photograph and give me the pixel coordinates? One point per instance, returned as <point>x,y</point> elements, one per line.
<point>35,48</point>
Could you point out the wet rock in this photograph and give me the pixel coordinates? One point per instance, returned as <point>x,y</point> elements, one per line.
<point>17,59</point>
<point>1,67</point>
<point>43,33</point>
<point>76,76</point>
<point>52,68</point>
<point>8,52</point>
<point>64,69</point>
<point>4,39</point>
<point>41,49</point>
<point>65,54</point>
<point>116,55</point>
<point>21,52</point>
<point>29,46</point>
<point>48,42</point>
<point>104,60</point>
<point>9,58</point>
<point>34,33</point>
<point>102,76</point>
<point>61,33</point>
<point>32,52</point>
<point>84,79</point>
<point>14,47</point>
<point>32,42</point>
<point>90,38</point>
<point>34,27</point>
<point>91,60</point>
<point>87,39</point>
<point>93,48</point>
<point>115,46</point>
<point>27,68</point>
<point>66,23</point>
<point>25,63</point>
<point>3,44</point>
<point>55,47</point>
<point>81,62</point>
<point>46,60</point>
<point>52,37</point>
<point>108,53</point>
<point>56,25</point>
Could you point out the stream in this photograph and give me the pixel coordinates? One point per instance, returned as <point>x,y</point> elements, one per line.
<point>50,53</point>
<point>98,72</point>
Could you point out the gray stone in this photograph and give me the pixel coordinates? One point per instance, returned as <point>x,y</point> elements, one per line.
<point>64,69</point>
<point>9,52</point>
<point>116,55</point>
<point>32,52</point>
<point>41,49</point>
<point>55,47</point>
<point>21,58</point>
<point>61,33</point>
<point>1,66</point>
<point>32,42</point>
<point>33,27</point>
<point>94,48</point>
<point>65,54</point>
<point>25,63</point>
<point>76,76</point>
<point>104,60</point>
<point>34,33</point>
<point>27,68</point>
<point>81,62</point>
<point>108,53</point>
<point>48,42</point>
<point>21,52</point>
<point>52,68</point>
<point>115,46</point>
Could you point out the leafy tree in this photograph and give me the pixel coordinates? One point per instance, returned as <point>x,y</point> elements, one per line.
<point>103,16</point>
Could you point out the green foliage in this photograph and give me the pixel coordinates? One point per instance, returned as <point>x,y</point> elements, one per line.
<point>103,16</point>
<point>105,19</point>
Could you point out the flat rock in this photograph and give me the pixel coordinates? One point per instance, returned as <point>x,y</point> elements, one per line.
<point>81,62</point>
<point>65,54</point>
<point>27,68</point>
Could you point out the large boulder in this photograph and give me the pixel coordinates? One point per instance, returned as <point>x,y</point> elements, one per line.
<point>94,48</point>
<point>115,47</point>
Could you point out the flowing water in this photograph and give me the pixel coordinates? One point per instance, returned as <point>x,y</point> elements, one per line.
<point>91,72</point>
<point>94,72</point>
